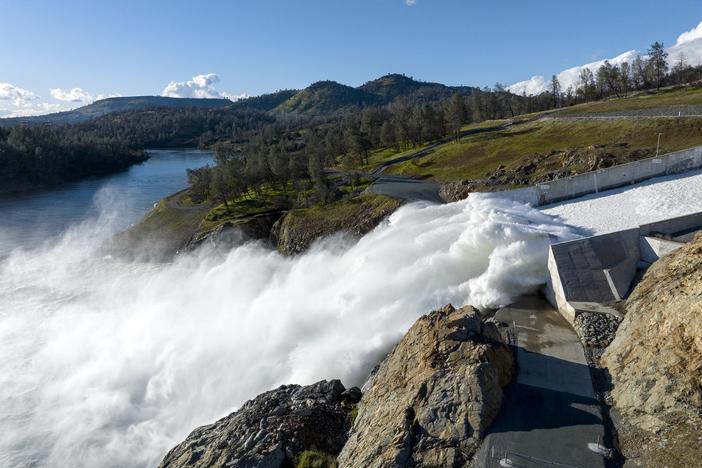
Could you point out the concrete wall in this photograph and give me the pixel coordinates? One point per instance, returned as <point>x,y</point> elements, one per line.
<point>675,227</point>
<point>653,248</point>
<point>600,269</point>
<point>605,179</point>
<point>596,269</point>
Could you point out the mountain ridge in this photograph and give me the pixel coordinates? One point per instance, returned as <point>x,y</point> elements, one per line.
<point>319,97</point>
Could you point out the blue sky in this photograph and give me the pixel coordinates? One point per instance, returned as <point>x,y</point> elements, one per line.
<point>138,47</point>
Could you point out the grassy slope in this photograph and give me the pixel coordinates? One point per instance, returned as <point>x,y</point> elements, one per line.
<point>478,155</point>
<point>641,100</point>
<point>167,226</point>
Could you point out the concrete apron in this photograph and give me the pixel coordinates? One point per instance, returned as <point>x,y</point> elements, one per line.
<point>550,415</point>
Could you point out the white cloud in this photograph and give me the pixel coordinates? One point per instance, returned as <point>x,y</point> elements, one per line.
<point>567,78</point>
<point>37,108</point>
<point>100,97</point>
<point>20,102</point>
<point>71,95</point>
<point>410,2</point>
<point>200,86</point>
<point>534,85</point>
<point>691,35</point>
<point>19,97</point>
<point>689,45</point>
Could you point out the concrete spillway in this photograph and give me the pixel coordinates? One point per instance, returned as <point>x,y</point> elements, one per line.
<point>587,273</point>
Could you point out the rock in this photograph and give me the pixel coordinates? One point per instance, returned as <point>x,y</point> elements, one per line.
<point>596,330</point>
<point>232,233</point>
<point>272,429</point>
<point>298,229</point>
<point>455,191</point>
<point>429,402</point>
<point>655,361</point>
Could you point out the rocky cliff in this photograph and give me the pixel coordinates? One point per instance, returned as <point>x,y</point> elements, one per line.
<point>427,404</point>
<point>430,400</point>
<point>275,429</point>
<point>655,362</point>
<point>298,229</point>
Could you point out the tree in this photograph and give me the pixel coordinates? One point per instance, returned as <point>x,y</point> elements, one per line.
<point>639,73</point>
<point>200,180</point>
<point>456,115</point>
<point>586,87</point>
<point>657,58</point>
<point>388,135</point>
<point>555,90</point>
<point>679,69</point>
<point>624,77</point>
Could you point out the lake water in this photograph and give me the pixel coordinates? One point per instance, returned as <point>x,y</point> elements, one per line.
<point>31,218</point>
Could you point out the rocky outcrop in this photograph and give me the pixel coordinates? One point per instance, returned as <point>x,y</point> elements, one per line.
<point>429,402</point>
<point>274,429</point>
<point>454,191</point>
<point>655,363</point>
<point>232,233</point>
<point>298,229</point>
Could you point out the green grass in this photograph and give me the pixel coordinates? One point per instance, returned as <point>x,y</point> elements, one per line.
<point>477,155</point>
<point>641,100</point>
<point>270,197</point>
<point>342,210</point>
<point>315,459</point>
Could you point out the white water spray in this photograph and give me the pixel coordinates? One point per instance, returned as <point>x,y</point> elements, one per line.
<point>106,362</point>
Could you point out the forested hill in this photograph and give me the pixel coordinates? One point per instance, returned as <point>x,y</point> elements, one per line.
<point>320,98</point>
<point>113,105</point>
<point>39,156</point>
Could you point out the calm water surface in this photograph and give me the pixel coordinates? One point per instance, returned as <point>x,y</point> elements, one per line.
<point>29,219</point>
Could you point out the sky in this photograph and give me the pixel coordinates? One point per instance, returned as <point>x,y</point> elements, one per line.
<point>56,55</point>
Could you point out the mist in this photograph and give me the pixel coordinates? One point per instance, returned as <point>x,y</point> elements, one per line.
<point>110,362</point>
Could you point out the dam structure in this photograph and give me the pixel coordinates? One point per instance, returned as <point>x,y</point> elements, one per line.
<point>593,273</point>
<point>634,213</point>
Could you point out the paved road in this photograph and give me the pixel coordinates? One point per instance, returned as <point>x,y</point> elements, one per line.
<point>429,149</point>
<point>406,188</point>
<point>550,413</point>
<point>410,188</point>
<point>651,113</point>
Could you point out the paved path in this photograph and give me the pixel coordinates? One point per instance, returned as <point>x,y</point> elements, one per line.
<point>406,188</point>
<point>429,149</point>
<point>550,413</point>
<point>410,188</point>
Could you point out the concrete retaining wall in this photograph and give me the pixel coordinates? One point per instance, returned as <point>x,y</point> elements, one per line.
<point>600,269</point>
<point>605,179</point>
<point>596,269</point>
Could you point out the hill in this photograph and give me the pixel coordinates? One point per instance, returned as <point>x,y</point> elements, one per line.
<point>330,96</point>
<point>113,105</point>
<point>391,86</point>
<point>327,96</point>
<point>322,97</point>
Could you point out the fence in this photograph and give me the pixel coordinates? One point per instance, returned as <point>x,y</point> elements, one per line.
<point>605,179</point>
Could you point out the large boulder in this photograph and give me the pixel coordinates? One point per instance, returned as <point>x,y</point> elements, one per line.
<point>429,402</point>
<point>655,363</point>
<point>274,429</point>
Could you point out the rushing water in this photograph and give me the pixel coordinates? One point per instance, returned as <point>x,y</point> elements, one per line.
<point>32,218</point>
<point>109,362</point>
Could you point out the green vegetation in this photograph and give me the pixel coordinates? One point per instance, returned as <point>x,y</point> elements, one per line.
<point>269,198</point>
<point>340,212</point>
<point>671,97</point>
<point>478,155</point>
<point>167,227</point>
<point>353,414</point>
<point>315,459</point>
<point>36,156</point>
